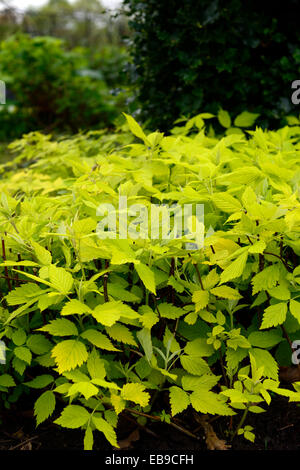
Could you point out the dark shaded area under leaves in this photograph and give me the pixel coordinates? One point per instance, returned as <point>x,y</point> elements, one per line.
<point>277,429</point>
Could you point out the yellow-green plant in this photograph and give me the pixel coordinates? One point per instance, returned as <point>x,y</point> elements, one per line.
<point>108,324</point>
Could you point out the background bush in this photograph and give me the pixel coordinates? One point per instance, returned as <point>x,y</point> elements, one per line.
<point>52,88</point>
<point>194,56</point>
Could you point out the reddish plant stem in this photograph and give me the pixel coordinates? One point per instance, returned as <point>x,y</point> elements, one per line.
<point>105,280</point>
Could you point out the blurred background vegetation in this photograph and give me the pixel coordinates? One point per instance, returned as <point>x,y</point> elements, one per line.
<point>73,65</point>
<point>66,67</point>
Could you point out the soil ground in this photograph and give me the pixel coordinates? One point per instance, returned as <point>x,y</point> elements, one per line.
<point>276,429</point>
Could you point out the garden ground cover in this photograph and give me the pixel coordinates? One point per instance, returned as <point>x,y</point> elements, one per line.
<point>97,327</point>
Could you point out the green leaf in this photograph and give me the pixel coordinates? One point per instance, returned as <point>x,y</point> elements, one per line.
<point>226,292</point>
<point>209,402</point>
<point>199,347</point>
<point>75,307</point>
<point>60,279</point>
<point>235,269</point>
<point>95,365</point>
<point>200,298</point>
<point>19,337</point>
<point>135,392</point>
<point>226,203</point>
<point>87,389</point>
<point>106,429</point>
<point>110,312</point>
<point>146,276</point>
<point>41,381</point>
<point>136,128</point>
<point>98,339</point>
<point>44,256</point>
<point>60,327</point>
<point>88,440</point>
<point>179,400</point>
<point>73,416</point>
<point>44,406</point>
<point>245,119</point>
<point>144,337</point>
<point>23,294</point>
<point>265,339</point>
<point>7,380</point>
<point>121,333</point>
<point>167,310</point>
<point>38,344</point>
<point>274,315</point>
<point>23,353</point>
<point>69,354</point>
<point>195,365</point>
<point>280,292</point>
<point>148,318</point>
<point>224,118</point>
<point>266,279</point>
<point>295,309</point>
<point>264,359</point>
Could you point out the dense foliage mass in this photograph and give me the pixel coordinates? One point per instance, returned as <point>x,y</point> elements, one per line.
<point>192,56</point>
<point>52,88</point>
<point>100,326</point>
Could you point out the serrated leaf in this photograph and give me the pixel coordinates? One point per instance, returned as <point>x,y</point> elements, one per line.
<point>95,365</point>
<point>274,315</point>
<point>19,337</point>
<point>146,276</point>
<point>41,381</point>
<point>44,256</point>
<point>98,339</point>
<point>266,279</point>
<point>23,353</point>
<point>200,298</point>
<point>195,365</point>
<point>257,247</point>
<point>60,279</point>
<point>226,292</point>
<point>73,416</point>
<point>75,307</point>
<point>265,339</point>
<point>23,294</point>
<point>148,318</point>
<point>106,429</point>
<point>110,312</point>
<point>118,403</point>
<point>7,380</point>
<point>87,389</point>
<point>208,402</point>
<point>167,310</point>
<point>60,327</point>
<point>295,309</point>
<point>179,400</point>
<point>264,359</point>
<point>135,392</point>
<point>38,344</point>
<point>44,406</point>
<point>226,203</point>
<point>121,333</point>
<point>69,354</point>
<point>235,269</point>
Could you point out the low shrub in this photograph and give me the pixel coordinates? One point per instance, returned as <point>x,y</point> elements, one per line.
<point>105,326</point>
<point>52,88</point>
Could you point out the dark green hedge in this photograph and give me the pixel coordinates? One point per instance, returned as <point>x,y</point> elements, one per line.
<point>199,55</point>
